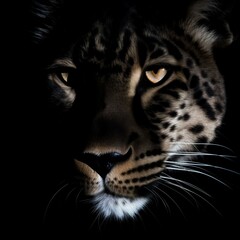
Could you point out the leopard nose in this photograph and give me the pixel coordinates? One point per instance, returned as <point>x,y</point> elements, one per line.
<point>103,163</point>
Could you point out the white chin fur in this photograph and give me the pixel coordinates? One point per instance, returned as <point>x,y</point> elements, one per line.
<point>118,207</point>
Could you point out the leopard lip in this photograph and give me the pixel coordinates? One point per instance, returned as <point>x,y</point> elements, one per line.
<point>108,192</point>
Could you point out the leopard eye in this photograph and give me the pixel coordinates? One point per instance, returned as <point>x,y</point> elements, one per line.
<point>157,75</point>
<point>63,76</point>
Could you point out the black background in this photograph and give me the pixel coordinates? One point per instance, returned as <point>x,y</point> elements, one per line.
<point>33,168</point>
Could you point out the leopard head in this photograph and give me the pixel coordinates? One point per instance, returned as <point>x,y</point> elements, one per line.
<point>135,96</point>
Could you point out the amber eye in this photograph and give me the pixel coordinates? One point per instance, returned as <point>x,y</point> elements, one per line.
<point>63,76</point>
<point>157,75</point>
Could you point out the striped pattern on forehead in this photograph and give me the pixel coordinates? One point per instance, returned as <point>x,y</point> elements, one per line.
<point>109,44</point>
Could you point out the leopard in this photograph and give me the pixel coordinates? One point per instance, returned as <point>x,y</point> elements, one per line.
<point>138,95</point>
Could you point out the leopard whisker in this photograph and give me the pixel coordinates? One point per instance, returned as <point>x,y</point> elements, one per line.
<point>96,219</point>
<point>52,199</point>
<point>200,164</point>
<point>177,191</point>
<point>70,192</point>
<point>187,191</point>
<point>203,144</point>
<point>99,219</point>
<point>156,197</point>
<point>185,183</point>
<point>184,169</point>
<point>77,201</point>
<point>191,193</point>
<point>199,154</point>
<point>170,198</point>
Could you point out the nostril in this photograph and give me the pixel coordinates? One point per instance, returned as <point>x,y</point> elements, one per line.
<point>103,163</point>
<point>107,162</point>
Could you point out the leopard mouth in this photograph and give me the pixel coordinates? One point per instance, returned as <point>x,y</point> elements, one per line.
<point>118,182</point>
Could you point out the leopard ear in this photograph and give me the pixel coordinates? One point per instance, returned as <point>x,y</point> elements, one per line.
<point>44,14</point>
<point>206,23</point>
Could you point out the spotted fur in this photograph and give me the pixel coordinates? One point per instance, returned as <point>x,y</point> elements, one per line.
<point>122,130</point>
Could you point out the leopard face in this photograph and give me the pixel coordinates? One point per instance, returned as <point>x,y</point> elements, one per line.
<point>135,98</point>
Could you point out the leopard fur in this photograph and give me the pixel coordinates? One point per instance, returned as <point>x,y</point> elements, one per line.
<point>137,96</point>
